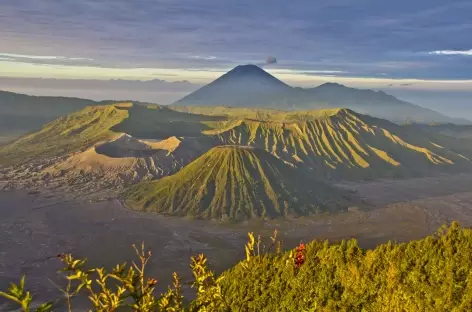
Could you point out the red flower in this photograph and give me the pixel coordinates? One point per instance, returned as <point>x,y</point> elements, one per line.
<point>299,255</point>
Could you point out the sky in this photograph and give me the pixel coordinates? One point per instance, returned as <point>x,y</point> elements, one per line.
<point>168,48</point>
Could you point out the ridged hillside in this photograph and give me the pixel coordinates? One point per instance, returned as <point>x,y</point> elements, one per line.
<point>64,135</point>
<point>236,183</point>
<point>83,130</point>
<point>120,144</point>
<point>341,143</point>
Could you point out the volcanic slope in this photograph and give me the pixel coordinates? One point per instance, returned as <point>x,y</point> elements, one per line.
<point>95,145</point>
<point>125,160</point>
<point>66,134</point>
<point>339,143</point>
<point>81,130</point>
<point>233,182</point>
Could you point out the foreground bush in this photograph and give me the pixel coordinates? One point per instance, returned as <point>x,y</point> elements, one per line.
<point>432,274</point>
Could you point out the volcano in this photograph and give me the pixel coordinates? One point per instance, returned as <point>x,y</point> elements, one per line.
<point>243,86</point>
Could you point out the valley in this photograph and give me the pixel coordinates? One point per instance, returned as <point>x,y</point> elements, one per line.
<point>189,179</point>
<point>35,227</point>
<point>235,156</point>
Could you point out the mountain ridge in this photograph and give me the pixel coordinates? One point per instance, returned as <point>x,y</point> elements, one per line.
<point>123,144</point>
<point>229,90</point>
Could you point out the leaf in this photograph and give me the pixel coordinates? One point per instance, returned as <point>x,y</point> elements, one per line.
<point>73,277</point>
<point>15,290</point>
<point>22,283</point>
<point>75,263</point>
<point>80,287</point>
<point>8,296</point>
<point>45,307</point>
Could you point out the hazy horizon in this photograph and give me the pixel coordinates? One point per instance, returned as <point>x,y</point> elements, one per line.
<point>419,51</point>
<point>450,103</point>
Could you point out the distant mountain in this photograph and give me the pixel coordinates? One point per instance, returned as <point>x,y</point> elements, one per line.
<point>378,104</point>
<point>238,183</point>
<point>452,130</point>
<point>243,86</point>
<point>329,143</point>
<point>251,86</point>
<point>23,113</point>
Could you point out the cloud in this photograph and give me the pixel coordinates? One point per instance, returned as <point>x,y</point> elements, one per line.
<point>41,57</point>
<point>350,36</point>
<point>452,52</point>
<point>198,57</point>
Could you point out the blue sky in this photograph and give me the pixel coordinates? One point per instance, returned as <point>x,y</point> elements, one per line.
<point>415,44</point>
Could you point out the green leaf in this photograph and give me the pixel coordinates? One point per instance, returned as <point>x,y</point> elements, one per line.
<point>8,296</point>
<point>22,283</point>
<point>75,263</point>
<point>45,307</point>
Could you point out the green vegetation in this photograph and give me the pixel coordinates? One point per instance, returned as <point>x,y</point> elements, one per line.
<point>68,134</point>
<point>81,130</point>
<point>431,274</point>
<point>331,143</point>
<point>234,182</point>
<point>340,143</point>
<point>260,114</point>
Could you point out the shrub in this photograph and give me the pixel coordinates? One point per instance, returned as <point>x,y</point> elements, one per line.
<point>431,274</point>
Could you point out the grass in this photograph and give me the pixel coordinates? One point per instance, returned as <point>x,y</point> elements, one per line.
<point>343,144</point>
<point>74,132</point>
<point>331,143</point>
<point>231,182</point>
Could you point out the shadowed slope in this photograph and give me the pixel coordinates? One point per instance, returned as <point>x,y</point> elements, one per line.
<point>376,103</point>
<point>21,113</point>
<point>452,130</point>
<point>236,183</point>
<point>249,86</point>
<point>243,86</point>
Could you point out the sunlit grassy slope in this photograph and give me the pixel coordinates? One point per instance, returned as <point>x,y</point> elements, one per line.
<point>342,143</point>
<point>236,183</point>
<point>333,143</point>
<point>64,135</point>
<point>81,130</point>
